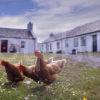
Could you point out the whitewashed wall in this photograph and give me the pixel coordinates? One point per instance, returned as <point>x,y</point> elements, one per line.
<point>98,39</point>
<point>29,44</point>
<point>80,48</point>
<point>68,49</point>
<point>54,46</point>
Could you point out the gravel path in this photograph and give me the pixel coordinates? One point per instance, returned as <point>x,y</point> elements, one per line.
<point>91,60</point>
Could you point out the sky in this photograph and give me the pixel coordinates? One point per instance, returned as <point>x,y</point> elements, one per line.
<point>48,16</point>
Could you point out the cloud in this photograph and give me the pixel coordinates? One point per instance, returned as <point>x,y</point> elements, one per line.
<point>12,21</point>
<point>55,16</point>
<point>60,15</point>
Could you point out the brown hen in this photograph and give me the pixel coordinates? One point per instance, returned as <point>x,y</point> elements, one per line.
<point>13,72</point>
<point>29,72</point>
<point>48,72</point>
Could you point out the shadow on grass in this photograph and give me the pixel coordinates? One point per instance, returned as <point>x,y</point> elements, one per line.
<point>9,85</point>
<point>43,93</point>
<point>39,89</point>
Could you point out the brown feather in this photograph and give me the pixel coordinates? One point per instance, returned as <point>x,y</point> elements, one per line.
<point>13,71</point>
<point>48,71</point>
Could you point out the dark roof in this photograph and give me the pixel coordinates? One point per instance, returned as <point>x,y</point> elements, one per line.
<point>57,36</point>
<point>84,29</point>
<point>16,33</point>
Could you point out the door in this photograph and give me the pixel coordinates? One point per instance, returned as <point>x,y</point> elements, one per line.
<point>94,37</point>
<point>4,46</point>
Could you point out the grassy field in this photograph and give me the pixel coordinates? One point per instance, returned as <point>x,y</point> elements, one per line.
<point>77,81</point>
<point>95,54</point>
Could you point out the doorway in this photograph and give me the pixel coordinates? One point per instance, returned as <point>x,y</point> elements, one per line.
<point>94,46</point>
<point>4,46</point>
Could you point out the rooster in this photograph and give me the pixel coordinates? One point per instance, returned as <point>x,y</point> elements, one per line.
<point>47,72</point>
<point>32,71</point>
<point>14,74</point>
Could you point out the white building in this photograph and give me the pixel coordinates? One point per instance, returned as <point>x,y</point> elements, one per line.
<point>17,40</point>
<point>85,38</point>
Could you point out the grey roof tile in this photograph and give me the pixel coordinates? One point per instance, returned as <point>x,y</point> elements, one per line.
<point>84,29</point>
<point>15,33</point>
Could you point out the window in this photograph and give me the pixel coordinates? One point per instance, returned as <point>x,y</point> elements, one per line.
<point>83,41</point>
<point>12,48</point>
<point>47,47</point>
<point>58,45</point>
<point>50,46</point>
<point>22,44</point>
<point>66,43</point>
<point>75,42</point>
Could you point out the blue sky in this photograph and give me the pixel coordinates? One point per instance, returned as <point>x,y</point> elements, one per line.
<point>15,7</point>
<point>48,15</point>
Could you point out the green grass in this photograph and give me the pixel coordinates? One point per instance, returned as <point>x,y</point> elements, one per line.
<point>95,54</point>
<point>77,80</point>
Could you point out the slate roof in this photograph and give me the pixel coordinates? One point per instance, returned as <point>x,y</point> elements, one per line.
<point>55,37</point>
<point>84,29</point>
<point>15,33</point>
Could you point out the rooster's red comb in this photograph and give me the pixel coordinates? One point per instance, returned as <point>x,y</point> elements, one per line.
<point>37,51</point>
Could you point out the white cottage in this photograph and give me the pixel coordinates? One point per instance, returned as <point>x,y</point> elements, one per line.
<point>85,38</point>
<point>17,40</point>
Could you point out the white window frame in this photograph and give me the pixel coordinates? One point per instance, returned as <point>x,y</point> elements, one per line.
<point>83,41</point>
<point>76,43</point>
<point>23,44</point>
<point>66,43</point>
<point>50,46</point>
<point>58,45</point>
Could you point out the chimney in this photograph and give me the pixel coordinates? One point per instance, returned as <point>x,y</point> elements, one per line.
<point>30,27</point>
<point>51,35</point>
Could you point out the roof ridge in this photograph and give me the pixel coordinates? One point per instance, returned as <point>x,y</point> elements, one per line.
<point>86,24</point>
<point>79,30</point>
<point>12,28</point>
